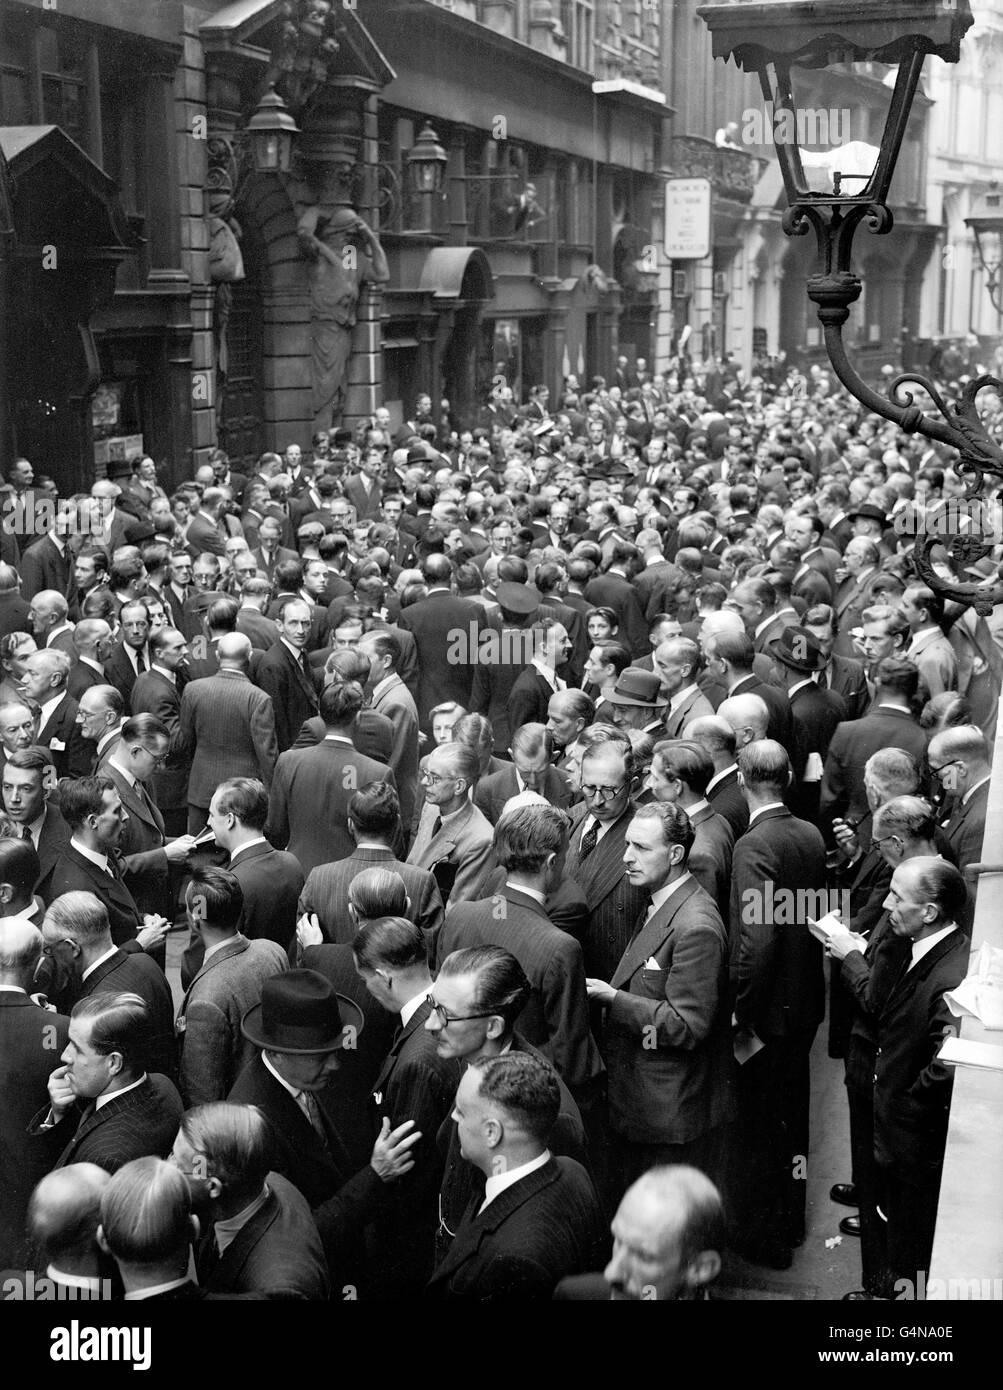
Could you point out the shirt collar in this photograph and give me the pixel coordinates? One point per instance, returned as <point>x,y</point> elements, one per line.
<point>972,790</point>
<point>210,950</point>
<point>73,1281</point>
<point>129,776</point>
<point>681,696</point>
<point>497,1184</point>
<point>107,955</point>
<point>114,1095</point>
<point>533,893</point>
<point>107,737</point>
<point>258,840</point>
<point>101,860</point>
<point>662,895</point>
<point>163,671</point>
<point>47,706</point>
<point>770,806</point>
<point>719,776</point>
<point>697,807</point>
<point>280,1079</point>
<point>95,665</point>
<point>412,1006</point>
<point>228,1230</point>
<point>764,624</point>
<point>383,685</point>
<point>808,680</point>
<point>920,948</point>
<point>138,1295</point>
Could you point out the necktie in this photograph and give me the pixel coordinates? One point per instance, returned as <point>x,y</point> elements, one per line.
<point>436,826</point>
<point>25,833</point>
<point>210,1257</point>
<point>140,663</point>
<point>588,841</point>
<point>309,1106</point>
<point>823,680</point>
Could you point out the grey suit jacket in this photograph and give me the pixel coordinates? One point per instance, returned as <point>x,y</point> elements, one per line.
<point>458,855</point>
<point>710,857</point>
<point>680,1088</point>
<point>326,893</point>
<point>227,729</point>
<point>213,1048</point>
<point>397,703</point>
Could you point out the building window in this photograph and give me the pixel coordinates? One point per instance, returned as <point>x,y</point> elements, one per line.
<point>578,19</point>
<point>61,60</point>
<point>15,64</point>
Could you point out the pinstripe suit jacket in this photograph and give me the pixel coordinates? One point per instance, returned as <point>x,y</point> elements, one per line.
<point>308,803</point>
<point>144,1121</point>
<point>227,729</point>
<point>134,972</point>
<point>615,905</point>
<point>326,893</point>
<point>153,693</point>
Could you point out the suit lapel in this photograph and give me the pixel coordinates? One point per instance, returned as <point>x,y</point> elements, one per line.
<point>473,1230</point>
<point>911,976</point>
<point>234,1257</point>
<point>653,934</point>
<point>414,1023</point>
<point>603,869</point>
<point>236,947</point>
<point>102,972</point>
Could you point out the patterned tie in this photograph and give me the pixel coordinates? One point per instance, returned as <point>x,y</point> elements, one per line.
<point>823,680</point>
<point>26,834</point>
<point>309,1106</point>
<point>588,841</point>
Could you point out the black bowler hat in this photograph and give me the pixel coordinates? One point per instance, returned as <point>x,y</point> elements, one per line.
<point>518,598</point>
<point>301,1012</point>
<point>798,649</point>
<point>868,509</point>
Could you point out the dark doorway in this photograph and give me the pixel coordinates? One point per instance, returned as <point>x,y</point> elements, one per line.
<point>240,423</point>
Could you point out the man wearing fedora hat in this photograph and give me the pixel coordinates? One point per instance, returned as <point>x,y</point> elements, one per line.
<point>638,702</point>
<point>303,1028</point>
<point>869,520</point>
<point>815,714</point>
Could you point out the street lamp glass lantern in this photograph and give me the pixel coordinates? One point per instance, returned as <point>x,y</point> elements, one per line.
<point>987,224</point>
<point>271,131</point>
<point>780,39</point>
<point>426,160</point>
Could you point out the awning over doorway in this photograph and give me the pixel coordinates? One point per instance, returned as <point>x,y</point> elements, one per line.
<point>457,272</point>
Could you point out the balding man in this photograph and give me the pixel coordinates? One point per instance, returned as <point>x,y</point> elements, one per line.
<point>747,716</point>
<point>48,612</point>
<point>433,621</point>
<point>454,839</point>
<point>227,728</point>
<point>110,527</point>
<point>92,643</point>
<point>668,1234</point>
<point>960,760</point>
<point>100,717</point>
<point>676,662</point>
<point>63,1220</point>
<point>31,1039</point>
<point>17,730</point>
<point>14,611</point>
<point>730,658</point>
<point>44,685</point>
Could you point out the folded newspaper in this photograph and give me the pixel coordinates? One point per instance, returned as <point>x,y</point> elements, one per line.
<point>980,994</point>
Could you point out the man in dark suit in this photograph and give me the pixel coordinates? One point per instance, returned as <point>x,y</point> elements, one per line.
<point>268,552</point>
<point>888,724</point>
<point>668,1038</point>
<point>506,654</point>
<point>539,681</point>
<point>912,1087</point>
<point>92,808</point>
<point>595,855</point>
<point>275,1252</point>
<point>816,715</point>
<point>301,1026</point>
<point>669,1231</point>
<point>530,843</point>
<point>729,657</point>
<point>716,736</point>
<point>414,1080</point>
<point>14,611</point>
<point>373,734</point>
<point>204,532</point>
<point>679,775</point>
<point>226,729</point>
<point>104,1061</point>
<point>284,674</point>
<point>147,856</point>
<point>222,989</point>
<point>842,674</point>
<point>92,642</point>
<point>26,789</point>
<point>540,1220</point>
<point>531,770</point>
<point>437,623</point>
<point>157,692</point>
<point>78,937</point>
<point>148,1229</point>
<point>311,788</point>
<point>46,563</point>
<point>373,815</point>
<point>613,589</point>
<point>779,993</point>
<point>31,1038</point>
<point>44,683</point>
<point>390,696</point>
<point>961,761</point>
<point>130,656</point>
<point>756,604</point>
<point>477,997</point>
<point>854,582</point>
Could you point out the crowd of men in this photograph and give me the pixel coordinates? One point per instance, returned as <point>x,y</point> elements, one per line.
<point>498,795</point>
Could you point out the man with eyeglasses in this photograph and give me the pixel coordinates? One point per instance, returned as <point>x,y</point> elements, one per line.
<point>416,1081</point>
<point>530,844</point>
<point>903,829</point>
<point>595,853</point>
<point>454,839</point>
<point>961,761</point>
<point>475,1002</point>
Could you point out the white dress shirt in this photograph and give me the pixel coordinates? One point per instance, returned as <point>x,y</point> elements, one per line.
<point>498,1182</point>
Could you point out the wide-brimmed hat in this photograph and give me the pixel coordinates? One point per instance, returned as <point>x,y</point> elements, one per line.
<point>301,1012</point>
<point>798,649</point>
<point>868,509</point>
<point>635,686</point>
<point>518,598</point>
